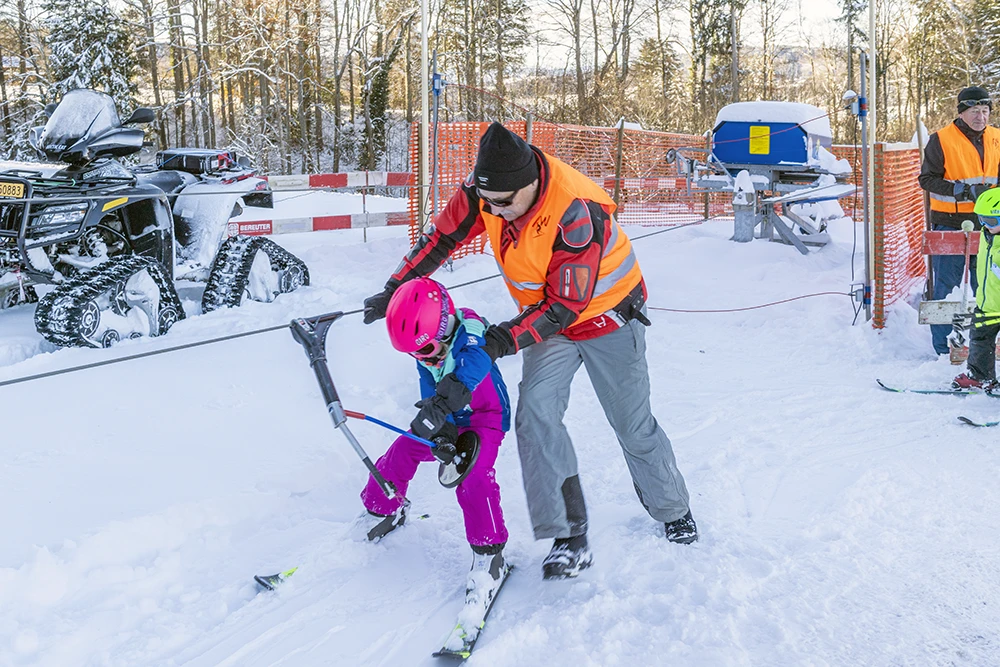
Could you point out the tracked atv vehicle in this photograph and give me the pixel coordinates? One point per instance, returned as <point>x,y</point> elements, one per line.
<point>103,243</point>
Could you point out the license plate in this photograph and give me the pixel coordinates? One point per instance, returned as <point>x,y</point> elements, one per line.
<point>14,190</point>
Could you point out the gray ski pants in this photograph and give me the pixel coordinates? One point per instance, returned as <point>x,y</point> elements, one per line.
<point>616,364</point>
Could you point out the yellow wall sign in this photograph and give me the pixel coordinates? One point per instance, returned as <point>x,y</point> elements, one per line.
<point>760,139</point>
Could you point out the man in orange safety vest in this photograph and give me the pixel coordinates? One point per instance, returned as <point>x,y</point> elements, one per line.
<point>961,161</point>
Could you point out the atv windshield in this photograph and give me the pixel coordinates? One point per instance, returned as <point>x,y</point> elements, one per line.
<point>80,114</point>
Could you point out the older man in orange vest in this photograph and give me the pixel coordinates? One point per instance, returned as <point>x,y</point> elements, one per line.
<point>961,161</point>
<point>581,294</point>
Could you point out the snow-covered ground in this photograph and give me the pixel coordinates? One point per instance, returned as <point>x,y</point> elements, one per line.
<point>840,524</point>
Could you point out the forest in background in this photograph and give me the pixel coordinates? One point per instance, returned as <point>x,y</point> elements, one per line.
<point>305,86</point>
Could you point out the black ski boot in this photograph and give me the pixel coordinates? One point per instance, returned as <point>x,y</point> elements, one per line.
<point>569,555</point>
<point>683,530</point>
<point>374,527</point>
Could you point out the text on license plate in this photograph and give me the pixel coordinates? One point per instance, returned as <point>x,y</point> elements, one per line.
<point>12,190</point>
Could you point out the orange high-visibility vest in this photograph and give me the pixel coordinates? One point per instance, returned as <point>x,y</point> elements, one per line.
<point>962,165</point>
<point>525,264</point>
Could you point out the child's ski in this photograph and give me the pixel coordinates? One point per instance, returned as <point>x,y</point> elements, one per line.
<point>966,420</point>
<point>952,392</point>
<point>269,582</point>
<point>471,622</point>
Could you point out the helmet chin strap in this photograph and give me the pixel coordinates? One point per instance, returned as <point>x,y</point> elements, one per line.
<point>450,332</point>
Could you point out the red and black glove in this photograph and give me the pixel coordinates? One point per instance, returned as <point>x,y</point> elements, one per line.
<point>376,304</point>
<point>499,342</point>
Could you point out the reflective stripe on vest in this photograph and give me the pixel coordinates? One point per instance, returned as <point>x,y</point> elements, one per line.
<point>525,264</point>
<point>962,165</point>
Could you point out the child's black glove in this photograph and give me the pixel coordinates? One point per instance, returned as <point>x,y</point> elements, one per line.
<point>431,419</point>
<point>452,395</point>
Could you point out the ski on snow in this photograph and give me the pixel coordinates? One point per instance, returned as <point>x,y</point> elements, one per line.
<point>966,420</point>
<point>269,582</point>
<point>461,641</point>
<point>951,392</point>
<point>471,621</point>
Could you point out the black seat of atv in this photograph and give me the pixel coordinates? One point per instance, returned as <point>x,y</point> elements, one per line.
<point>171,182</point>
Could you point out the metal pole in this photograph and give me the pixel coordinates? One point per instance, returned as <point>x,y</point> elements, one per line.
<point>736,55</point>
<point>436,87</point>
<point>618,162</point>
<point>872,65</point>
<point>424,179</point>
<point>921,140</point>
<point>866,180</point>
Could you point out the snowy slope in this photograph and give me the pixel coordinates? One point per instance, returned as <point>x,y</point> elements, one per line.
<point>841,525</point>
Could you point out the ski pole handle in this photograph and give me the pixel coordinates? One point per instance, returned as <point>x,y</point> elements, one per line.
<point>394,429</point>
<point>311,334</point>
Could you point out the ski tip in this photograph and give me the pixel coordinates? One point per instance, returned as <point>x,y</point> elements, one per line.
<point>966,420</point>
<point>271,581</point>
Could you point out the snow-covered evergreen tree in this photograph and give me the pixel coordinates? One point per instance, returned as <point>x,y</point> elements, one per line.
<point>90,47</point>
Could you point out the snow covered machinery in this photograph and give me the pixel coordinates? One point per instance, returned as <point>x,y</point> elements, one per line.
<point>775,159</point>
<point>104,243</point>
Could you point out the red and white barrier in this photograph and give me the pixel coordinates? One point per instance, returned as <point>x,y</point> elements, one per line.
<point>647,183</point>
<point>347,179</point>
<point>318,223</point>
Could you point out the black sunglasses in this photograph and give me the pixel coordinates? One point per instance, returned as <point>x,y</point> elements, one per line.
<point>968,104</point>
<point>499,203</point>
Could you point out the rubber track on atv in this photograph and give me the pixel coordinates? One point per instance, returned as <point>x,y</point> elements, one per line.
<point>59,313</point>
<point>231,272</point>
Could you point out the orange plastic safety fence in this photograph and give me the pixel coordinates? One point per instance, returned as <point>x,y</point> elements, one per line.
<point>651,192</point>
<point>853,206</point>
<point>455,155</point>
<point>898,228</point>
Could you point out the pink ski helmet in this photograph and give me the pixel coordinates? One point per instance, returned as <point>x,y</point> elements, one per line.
<point>418,317</point>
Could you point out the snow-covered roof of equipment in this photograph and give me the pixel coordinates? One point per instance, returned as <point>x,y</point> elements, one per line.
<point>813,119</point>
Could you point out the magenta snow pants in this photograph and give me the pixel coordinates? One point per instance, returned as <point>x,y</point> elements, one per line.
<point>478,494</point>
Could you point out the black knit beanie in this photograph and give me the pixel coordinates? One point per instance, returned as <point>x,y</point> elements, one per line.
<point>505,162</point>
<point>973,93</point>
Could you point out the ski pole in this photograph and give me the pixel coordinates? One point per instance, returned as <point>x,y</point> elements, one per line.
<point>395,429</point>
<point>311,333</point>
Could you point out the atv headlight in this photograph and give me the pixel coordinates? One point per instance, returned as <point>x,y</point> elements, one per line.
<point>60,214</point>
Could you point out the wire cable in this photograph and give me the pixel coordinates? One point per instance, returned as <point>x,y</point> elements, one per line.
<point>737,310</point>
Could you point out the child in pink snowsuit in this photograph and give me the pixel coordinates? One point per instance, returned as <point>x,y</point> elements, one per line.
<point>461,389</point>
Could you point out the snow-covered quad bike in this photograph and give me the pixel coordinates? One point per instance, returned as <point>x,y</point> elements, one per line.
<point>109,241</point>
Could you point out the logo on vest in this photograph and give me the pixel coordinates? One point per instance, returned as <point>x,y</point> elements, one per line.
<point>540,224</point>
